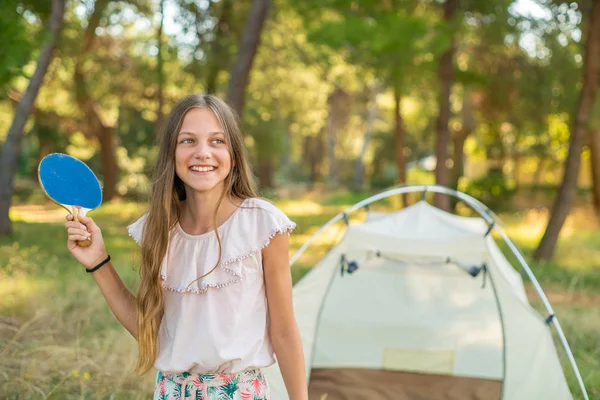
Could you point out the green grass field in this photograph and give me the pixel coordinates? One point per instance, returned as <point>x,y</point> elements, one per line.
<point>59,340</point>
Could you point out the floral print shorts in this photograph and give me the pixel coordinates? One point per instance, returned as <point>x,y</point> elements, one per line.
<point>247,385</point>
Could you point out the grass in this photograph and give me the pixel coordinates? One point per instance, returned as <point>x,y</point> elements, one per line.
<point>57,337</point>
<point>59,340</point>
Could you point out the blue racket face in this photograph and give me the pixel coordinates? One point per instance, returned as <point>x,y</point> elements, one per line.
<point>68,181</point>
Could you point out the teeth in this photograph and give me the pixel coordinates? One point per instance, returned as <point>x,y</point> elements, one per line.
<point>202,169</point>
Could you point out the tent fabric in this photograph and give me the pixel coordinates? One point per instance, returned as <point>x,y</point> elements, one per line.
<point>412,308</point>
<point>412,233</point>
<point>407,320</point>
<point>533,369</point>
<point>361,384</point>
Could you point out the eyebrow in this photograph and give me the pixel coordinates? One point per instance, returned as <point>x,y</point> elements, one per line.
<point>193,134</point>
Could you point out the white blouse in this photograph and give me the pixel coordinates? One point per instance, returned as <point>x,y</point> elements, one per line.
<point>220,322</point>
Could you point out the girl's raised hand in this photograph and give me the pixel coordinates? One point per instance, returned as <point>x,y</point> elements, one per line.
<point>86,228</point>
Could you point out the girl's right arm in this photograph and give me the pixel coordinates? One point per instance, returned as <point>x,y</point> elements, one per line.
<point>120,300</point>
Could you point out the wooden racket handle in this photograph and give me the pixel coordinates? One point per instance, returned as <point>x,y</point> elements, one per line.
<point>82,243</point>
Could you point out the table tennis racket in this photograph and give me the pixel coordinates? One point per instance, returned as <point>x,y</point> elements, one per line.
<point>71,184</point>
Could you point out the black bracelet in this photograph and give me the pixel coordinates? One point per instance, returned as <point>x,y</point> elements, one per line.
<point>98,266</point>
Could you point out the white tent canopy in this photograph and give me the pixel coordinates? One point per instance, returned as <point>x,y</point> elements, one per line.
<point>421,303</point>
<point>412,233</point>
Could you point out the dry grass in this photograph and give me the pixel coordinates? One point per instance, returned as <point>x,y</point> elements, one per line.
<point>58,339</point>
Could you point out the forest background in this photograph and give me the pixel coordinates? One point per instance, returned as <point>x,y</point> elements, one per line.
<point>338,99</point>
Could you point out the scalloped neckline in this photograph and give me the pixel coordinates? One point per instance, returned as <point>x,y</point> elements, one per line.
<point>211,232</point>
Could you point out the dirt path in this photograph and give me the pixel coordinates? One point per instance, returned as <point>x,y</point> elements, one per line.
<point>38,213</point>
<point>557,296</point>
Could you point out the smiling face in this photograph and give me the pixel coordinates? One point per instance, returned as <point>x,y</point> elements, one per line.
<point>202,153</point>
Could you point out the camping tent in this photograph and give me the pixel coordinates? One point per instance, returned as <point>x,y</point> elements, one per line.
<point>422,304</point>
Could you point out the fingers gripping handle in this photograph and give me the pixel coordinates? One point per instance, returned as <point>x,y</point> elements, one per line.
<point>82,243</point>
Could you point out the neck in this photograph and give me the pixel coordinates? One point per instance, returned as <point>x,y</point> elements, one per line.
<point>198,211</point>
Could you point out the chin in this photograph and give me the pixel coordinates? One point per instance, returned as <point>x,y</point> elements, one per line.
<point>204,188</point>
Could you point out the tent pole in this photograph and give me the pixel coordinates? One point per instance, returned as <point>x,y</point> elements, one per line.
<point>478,207</point>
<point>548,307</point>
<point>314,236</point>
<point>483,212</point>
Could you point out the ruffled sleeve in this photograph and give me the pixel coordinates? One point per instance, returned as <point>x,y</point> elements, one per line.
<point>258,222</point>
<point>136,229</point>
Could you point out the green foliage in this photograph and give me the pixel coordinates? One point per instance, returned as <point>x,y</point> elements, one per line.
<point>388,38</point>
<point>16,47</point>
<point>523,98</point>
<point>492,190</point>
<point>212,47</point>
<point>134,130</point>
<point>524,73</point>
<point>305,53</point>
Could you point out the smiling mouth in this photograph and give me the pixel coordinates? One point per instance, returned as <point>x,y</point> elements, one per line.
<point>202,169</point>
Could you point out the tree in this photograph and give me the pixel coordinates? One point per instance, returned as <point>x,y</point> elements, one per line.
<point>160,74</point>
<point>218,56</point>
<point>93,122</point>
<point>567,191</point>
<point>594,137</point>
<point>595,167</point>
<point>240,72</point>
<point>286,107</point>
<point>11,146</point>
<point>445,70</point>
<point>16,52</point>
<point>370,118</point>
<point>216,26</point>
<point>459,137</point>
<point>388,39</point>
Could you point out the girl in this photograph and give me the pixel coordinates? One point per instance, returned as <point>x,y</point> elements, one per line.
<point>214,303</point>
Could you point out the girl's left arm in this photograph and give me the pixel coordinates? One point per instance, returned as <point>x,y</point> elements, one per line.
<point>284,333</point>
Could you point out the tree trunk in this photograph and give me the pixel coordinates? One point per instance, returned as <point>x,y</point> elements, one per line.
<point>331,139</point>
<point>313,154</point>
<point>336,120</point>
<point>110,166</point>
<point>46,144</point>
<point>264,171</point>
<point>240,72</point>
<point>399,134</point>
<point>594,137</point>
<point>93,124</point>
<point>594,143</point>
<point>458,155</point>
<point>218,50</point>
<point>459,139</point>
<point>371,117</point>
<point>12,145</point>
<point>160,71</point>
<point>537,176</point>
<point>568,188</point>
<point>516,158</point>
<point>543,157</point>
<point>442,129</point>
<point>284,158</point>
<point>95,127</point>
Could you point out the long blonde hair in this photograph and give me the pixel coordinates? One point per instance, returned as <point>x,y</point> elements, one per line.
<point>165,210</point>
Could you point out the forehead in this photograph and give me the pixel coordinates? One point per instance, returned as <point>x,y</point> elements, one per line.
<point>200,120</point>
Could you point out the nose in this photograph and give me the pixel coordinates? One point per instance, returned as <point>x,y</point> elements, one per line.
<point>202,151</point>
